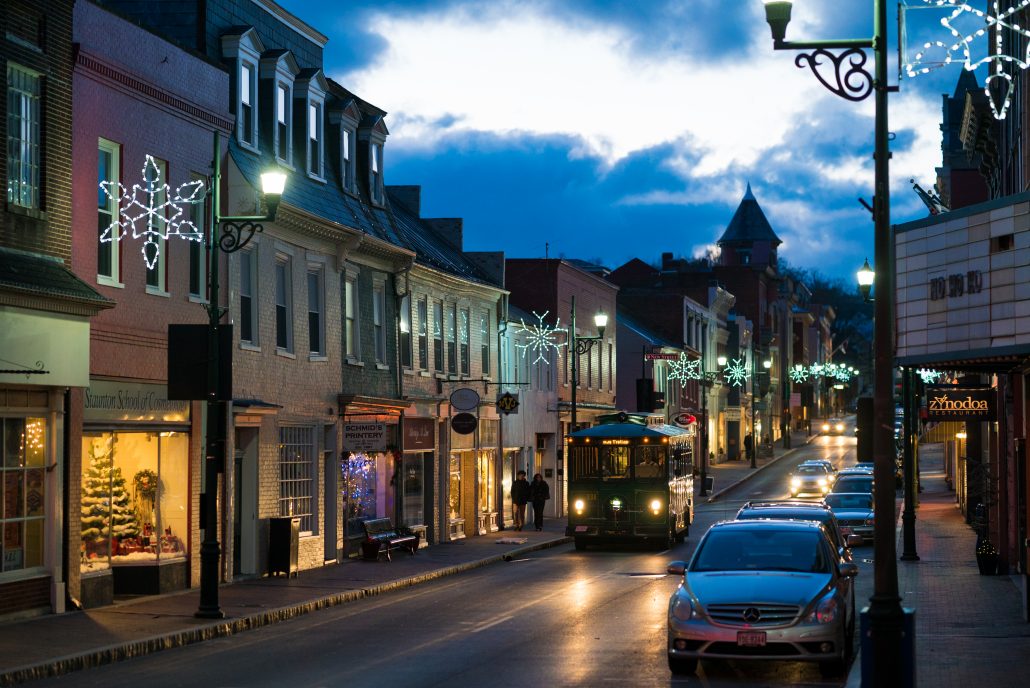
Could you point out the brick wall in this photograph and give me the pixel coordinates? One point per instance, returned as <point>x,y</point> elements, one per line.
<point>24,595</point>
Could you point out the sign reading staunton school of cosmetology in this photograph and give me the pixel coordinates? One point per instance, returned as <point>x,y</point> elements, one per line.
<point>959,403</point>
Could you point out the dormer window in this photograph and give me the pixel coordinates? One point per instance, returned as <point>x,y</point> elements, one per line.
<point>376,178</point>
<point>345,117</point>
<point>347,158</point>
<point>244,51</point>
<point>282,123</point>
<point>315,139</point>
<point>309,91</point>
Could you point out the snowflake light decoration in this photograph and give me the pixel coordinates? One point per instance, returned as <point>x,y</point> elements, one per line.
<point>929,376</point>
<point>149,205</point>
<point>799,373</point>
<point>816,369</point>
<point>684,369</point>
<point>736,372</point>
<point>540,338</point>
<point>1000,20</point>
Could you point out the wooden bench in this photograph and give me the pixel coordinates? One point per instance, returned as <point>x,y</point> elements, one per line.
<point>381,537</point>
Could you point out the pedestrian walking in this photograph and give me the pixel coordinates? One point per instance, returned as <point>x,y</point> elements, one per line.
<point>539,493</point>
<point>749,445</point>
<point>519,498</point>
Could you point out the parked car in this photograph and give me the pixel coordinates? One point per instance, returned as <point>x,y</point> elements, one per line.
<point>855,483</point>
<point>830,469</point>
<point>833,426</point>
<point>802,510</point>
<point>811,479</point>
<point>787,597</point>
<point>854,513</point>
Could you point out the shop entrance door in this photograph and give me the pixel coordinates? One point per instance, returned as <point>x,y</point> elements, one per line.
<point>245,559</point>
<point>332,552</point>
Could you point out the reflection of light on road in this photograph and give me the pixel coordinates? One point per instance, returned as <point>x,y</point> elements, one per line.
<point>579,638</point>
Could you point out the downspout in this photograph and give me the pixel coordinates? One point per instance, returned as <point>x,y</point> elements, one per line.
<point>405,271</point>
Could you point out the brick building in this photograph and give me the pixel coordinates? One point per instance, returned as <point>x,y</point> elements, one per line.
<point>45,310</point>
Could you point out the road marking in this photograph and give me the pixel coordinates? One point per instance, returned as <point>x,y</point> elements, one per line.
<point>493,623</point>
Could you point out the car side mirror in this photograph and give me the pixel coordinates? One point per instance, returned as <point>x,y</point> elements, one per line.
<point>849,570</point>
<point>854,540</point>
<point>677,568</point>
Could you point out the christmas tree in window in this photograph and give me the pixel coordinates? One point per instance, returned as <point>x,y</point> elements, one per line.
<point>107,511</point>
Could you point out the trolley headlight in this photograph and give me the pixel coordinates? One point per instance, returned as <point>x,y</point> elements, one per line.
<point>616,503</point>
<point>656,506</point>
<point>579,505</point>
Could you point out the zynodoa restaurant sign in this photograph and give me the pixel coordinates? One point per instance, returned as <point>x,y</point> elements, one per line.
<point>959,403</point>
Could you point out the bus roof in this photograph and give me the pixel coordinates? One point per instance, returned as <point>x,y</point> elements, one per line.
<point>630,430</point>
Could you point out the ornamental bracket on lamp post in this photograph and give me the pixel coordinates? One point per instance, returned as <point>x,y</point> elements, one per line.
<point>579,346</point>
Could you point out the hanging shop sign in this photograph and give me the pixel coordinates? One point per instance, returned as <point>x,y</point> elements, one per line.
<point>363,438</point>
<point>684,419</point>
<point>464,423</point>
<point>419,434</point>
<point>508,403</point>
<point>465,399</point>
<point>959,403</point>
<point>732,413</point>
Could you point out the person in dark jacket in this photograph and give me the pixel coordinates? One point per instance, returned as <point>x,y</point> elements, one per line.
<point>539,493</point>
<point>519,498</point>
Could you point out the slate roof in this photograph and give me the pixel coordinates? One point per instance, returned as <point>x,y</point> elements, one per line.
<point>35,274</point>
<point>645,332</point>
<point>393,224</point>
<point>749,224</point>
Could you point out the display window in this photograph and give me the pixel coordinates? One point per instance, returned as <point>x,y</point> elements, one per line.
<point>487,478</point>
<point>508,474</point>
<point>412,488</point>
<point>135,496</point>
<point>454,493</point>
<point>22,503</point>
<point>364,489</point>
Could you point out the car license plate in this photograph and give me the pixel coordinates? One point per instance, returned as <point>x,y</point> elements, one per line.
<point>751,638</point>
<point>845,531</point>
<point>581,529</point>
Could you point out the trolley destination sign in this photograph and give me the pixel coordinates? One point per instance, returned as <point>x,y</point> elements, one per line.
<point>959,403</point>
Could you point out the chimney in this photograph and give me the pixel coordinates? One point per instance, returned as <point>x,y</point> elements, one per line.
<point>447,228</point>
<point>409,196</point>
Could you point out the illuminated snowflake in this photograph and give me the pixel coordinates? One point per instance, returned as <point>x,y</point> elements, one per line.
<point>842,373</point>
<point>736,372</point>
<point>152,207</point>
<point>929,376</point>
<point>540,339</point>
<point>816,369</point>
<point>996,18</point>
<point>799,373</point>
<point>684,369</point>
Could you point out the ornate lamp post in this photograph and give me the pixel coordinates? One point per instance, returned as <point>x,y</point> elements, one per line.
<point>866,277</point>
<point>234,234</point>
<point>579,346</point>
<point>854,82</point>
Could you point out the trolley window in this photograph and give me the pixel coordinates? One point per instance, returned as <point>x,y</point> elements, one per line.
<point>583,462</point>
<point>649,461</point>
<point>615,462</point>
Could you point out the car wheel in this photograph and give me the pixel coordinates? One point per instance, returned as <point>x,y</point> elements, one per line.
<point>682,666</point>
<point>580,544</point>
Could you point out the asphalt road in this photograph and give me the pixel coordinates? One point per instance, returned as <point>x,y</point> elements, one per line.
<point>556,618</point>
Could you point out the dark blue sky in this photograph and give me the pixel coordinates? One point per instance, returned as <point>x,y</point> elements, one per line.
<point>613,130</point>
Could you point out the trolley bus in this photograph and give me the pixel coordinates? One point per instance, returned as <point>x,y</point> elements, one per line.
<point>630,479</point>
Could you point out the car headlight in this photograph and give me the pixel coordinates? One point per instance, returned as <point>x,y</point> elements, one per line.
<point>795,482</point>
<point>579,505</point>
<point>656,506</point>
<point>616,503</point>
<point>682,609</point>
<point>826,611</point>
<point>870,522</point>
<point>822,482</point>
<point>826,426</point>
<point>840,427</point>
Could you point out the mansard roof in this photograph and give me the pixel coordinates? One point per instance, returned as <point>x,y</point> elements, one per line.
<point>749,224</point>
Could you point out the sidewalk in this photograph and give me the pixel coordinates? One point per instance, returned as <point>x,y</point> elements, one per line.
<point>969,628</point>
<point>729,474</point>
<point>56,644</point>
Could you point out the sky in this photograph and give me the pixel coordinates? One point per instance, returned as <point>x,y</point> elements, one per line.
<point>607,131</point>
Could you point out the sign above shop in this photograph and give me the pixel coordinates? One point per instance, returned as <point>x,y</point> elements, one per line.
<point>106,400</point>
<point>959,403</point>
<point>364,438</point>
<point>464,423</point>
<point>508,403</point>
<point>732,413</point>
<point>953,286</point>
<point>684,419</point>
<point>465,399</point>
<point>418,433</point>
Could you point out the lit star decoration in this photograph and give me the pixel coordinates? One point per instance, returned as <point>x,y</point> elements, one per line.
<point>736,372</point>
<point>150,205</point>
<point>684,369</point>
<point>541,338</point>
<point>995,18</point>
<point>929,376</point>
<point>799,373</point>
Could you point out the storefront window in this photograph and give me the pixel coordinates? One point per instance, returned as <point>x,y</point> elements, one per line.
<point>413,496</point>
<point>22,513</point>
<point>134,497</point>
<point>454,496</point>
<point>507,473</point>
<point>487,474</point>
<point>359,480</point>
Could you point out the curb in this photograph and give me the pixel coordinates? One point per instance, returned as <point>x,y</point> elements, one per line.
<point>756,471</point>
<point>137,648</point>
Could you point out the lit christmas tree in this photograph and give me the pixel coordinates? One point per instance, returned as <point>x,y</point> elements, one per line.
<point>106,505</point>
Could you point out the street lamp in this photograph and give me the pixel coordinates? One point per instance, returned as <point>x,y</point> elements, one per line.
<point>866,277</point>
<point>235,233</point>
<point>854,82</point>
<point>579,346</point>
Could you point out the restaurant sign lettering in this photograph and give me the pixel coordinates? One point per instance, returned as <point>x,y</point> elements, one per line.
<point>959,403</point>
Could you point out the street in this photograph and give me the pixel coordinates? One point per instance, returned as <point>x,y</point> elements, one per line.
<point>557,617</point>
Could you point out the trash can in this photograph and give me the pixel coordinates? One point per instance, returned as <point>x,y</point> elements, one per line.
<point>283,546</point>
<point>908,650</point>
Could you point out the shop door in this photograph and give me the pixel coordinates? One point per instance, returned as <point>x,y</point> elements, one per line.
<point>331,493</point>
<point>732,446</point>
<point>245,554</point>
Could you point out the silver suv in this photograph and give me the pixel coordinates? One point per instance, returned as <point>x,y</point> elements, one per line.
<point>763,589</point>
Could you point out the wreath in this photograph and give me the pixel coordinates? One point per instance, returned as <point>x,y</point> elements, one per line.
<point>145,483</point>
